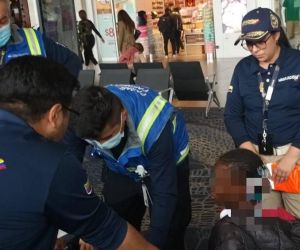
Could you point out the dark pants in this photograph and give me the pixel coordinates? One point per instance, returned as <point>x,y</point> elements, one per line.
<point>88,50</point>
<point>167,37</point>
<point>178,42</point>
<point>125,197</point>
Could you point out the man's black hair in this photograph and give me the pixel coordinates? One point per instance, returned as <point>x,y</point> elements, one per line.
<point>31,85</point>
<point>242,160</point>
<point>98,107</point>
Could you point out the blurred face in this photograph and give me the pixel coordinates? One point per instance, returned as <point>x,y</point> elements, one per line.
<point>265,50</point>
<point>231,188</point>
<point>226,189</point>
<point>82,15</point>
<point>4,13</point>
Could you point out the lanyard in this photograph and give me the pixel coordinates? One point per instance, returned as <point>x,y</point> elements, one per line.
<point>267,96</point>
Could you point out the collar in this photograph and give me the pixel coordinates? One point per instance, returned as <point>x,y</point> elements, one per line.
<point>254,66</point>
<point>15,35</point>
<point>9,117</point>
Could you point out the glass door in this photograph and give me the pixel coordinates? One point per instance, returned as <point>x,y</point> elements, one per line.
<point>107,11</point>
<point>58,22</point>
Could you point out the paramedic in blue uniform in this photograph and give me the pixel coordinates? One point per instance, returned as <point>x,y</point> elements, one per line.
<point>142,143</point>
<point>15,42</point>
<point>43,188</point>
<point>262,111</point>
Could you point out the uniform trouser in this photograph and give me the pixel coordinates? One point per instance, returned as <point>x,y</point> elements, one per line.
<point>124,196</point>
<point>167,37</point>
<point>275,199</point>
<point>88,50</point>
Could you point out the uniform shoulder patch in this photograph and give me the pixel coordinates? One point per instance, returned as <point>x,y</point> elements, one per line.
<point>2,164</point>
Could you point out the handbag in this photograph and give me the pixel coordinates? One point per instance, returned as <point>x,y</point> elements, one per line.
<point>137,34</point>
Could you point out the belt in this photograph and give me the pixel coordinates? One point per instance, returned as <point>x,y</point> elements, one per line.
<point>280,150</point>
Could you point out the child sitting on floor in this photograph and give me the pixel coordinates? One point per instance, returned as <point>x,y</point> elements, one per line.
<point>240,180</point>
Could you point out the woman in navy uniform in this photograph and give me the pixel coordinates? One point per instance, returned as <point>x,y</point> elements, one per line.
<point>262,111</point>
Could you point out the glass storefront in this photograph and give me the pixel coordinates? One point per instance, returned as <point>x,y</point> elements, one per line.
<point>59,23</point>
<point>106,23</point>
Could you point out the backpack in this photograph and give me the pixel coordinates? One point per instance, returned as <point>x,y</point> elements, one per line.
<point>177,22</point>
<point>164,24</point>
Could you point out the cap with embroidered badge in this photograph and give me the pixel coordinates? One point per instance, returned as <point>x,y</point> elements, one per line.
<point>257,24</point>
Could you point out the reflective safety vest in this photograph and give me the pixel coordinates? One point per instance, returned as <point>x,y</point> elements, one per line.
<point>31,43</point>
<point>150,113</point>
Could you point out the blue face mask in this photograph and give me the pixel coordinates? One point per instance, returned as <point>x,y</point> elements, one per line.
<point>110,143</point>
<point>5,33</point>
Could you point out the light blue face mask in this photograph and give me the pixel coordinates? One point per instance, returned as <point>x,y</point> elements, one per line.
<point>110,143</point>
<point>5,33</point>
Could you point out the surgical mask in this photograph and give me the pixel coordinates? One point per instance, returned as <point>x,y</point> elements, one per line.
<point>5,33</point>
<point>112,142</point>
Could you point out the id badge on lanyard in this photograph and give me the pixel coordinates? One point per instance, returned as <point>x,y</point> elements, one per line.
<point>265,144</point>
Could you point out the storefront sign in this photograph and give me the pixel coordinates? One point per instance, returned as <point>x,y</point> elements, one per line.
<point>107,50</point>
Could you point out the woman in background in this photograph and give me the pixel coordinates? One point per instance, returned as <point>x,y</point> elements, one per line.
<point>126,29</point>
<point>87,39</point>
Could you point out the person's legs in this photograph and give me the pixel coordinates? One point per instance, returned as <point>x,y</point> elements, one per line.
<point>90,45</point>
<point>173,43</point>
<point>177,40</point>
<point>290,29</point>
<point>124,196</point>
<point>86,53</point>
<point>292,203</point>
<point>273,199</point>
<point>166,39</point>
<point>183,211</point>
<point>132,210</point>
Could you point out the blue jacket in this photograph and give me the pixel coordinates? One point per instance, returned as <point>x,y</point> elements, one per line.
<point>243,109</point>
<point>149,113</point>
<point>44,188</point>
<point>26,41</point>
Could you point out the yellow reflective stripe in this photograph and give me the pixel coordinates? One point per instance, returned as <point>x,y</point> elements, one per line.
<point>33,42</point>
<point>149,118</point>
<point>183,153</point>
<point>174,122</point>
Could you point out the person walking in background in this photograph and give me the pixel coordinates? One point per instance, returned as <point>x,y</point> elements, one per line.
<point>142,27</point>
<point>126,28</point>
<point>291,17</point>
<point>166,27</point>
<point>178,28</point>
<point>87,39</point>
<point>262,110</point>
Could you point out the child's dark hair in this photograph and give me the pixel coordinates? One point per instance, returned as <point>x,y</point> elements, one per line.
<point>242,160</point>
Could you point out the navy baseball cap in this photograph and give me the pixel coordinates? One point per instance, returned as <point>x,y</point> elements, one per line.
<point>257,24</point>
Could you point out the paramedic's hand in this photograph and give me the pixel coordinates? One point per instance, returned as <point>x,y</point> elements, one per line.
<point>85,246</point>
<point>283,170</point>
